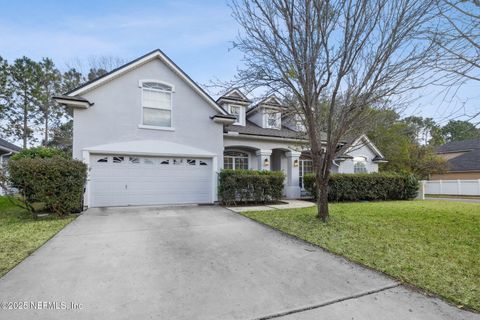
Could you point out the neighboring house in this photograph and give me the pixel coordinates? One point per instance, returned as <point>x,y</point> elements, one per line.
<point>6,150</point>
<point>150,135</point>
<point>463,160</point>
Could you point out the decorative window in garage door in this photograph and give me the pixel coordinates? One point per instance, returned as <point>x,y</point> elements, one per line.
<point>148,161</point>
<point>103,160</point>
<point>177,162</point>
<point>134,160</point>
<point>151,161</point>
<point>118,159</point>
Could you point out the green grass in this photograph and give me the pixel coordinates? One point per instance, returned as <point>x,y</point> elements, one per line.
<point>20,235</point>
<point>434,245</point>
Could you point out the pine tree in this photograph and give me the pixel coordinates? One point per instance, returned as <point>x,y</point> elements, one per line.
<point>21,113</point>
<point>50,113</point>
<point>5,93</point>
<point>71,79</point>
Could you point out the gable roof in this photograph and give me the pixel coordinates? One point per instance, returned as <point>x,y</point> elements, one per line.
<point>468,161</point>
<point>7,146</point>
<point>235,94</point>
<point>270,101</point>
<point>363,140</point>
<point>155,54</point>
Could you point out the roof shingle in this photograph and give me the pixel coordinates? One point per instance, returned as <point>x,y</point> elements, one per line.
<point>5,145</point>
<point>468,161</point>
<point>251,128</point>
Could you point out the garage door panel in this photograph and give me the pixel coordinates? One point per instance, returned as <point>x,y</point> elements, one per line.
<point>149,180</point>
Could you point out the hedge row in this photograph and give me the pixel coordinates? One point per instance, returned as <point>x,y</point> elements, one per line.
<point>39,152</point>
<point>367,186</point>
<point>244,186</point>
<point>56,182</point>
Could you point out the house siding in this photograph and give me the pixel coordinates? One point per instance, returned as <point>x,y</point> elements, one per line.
<point>347,166</point>
<point>456,176</point>
<point>116,114</point>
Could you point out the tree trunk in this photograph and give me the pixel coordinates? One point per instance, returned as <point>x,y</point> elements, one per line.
<point>25,124</point>
<point>322,199</point>
<point>47,116</point>
<point>45,139</point>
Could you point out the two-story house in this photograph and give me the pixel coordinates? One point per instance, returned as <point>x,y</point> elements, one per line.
<point>150,135</point>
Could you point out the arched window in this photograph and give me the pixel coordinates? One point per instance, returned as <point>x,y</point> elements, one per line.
<point>359,165</point>
<point>235,160</point>
<point>156,104</point>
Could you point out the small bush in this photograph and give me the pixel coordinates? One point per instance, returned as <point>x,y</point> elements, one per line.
<point>39,152</point>
<point>367,186</point>
<point>56,182</point>
<point>250,186</point>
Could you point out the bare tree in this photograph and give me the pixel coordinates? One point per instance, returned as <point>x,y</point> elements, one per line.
<point>95,66</point>
<point>338,59</point>
<point>458,36</point>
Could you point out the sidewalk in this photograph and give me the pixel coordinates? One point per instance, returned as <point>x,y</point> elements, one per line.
<point>472,200</point>
<point>289,204</point>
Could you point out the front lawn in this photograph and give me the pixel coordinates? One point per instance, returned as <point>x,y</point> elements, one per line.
<point>434,245</point>
<point>20,235</point>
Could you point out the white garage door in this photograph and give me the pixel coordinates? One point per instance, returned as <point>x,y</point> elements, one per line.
<point>121,180</point>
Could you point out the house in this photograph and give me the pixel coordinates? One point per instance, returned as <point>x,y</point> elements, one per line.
<point>150,135</point>
<point>6,150</point>
<point>463,160</point>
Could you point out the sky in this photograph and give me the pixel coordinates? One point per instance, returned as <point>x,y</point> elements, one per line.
<point>197,35</point>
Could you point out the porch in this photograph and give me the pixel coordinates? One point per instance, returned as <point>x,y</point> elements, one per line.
<point>291,162</point>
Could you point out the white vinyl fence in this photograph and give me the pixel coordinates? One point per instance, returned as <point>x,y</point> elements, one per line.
<point>452,187</point>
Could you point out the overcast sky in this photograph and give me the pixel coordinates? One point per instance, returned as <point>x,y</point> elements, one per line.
<point>197,35</point>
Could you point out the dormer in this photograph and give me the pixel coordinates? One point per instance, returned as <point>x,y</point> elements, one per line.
<point>235,103</point>
<point>267,113</point>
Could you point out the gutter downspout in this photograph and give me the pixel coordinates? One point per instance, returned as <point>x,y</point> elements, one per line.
<point>5,155</point>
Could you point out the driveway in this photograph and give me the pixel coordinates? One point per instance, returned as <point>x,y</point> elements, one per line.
<point>199,262</point>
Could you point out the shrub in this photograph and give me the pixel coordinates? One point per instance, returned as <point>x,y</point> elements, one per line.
<point>367,186</point>
<point>56,182</point>
<point>39,152</point>
<point>250,186</point>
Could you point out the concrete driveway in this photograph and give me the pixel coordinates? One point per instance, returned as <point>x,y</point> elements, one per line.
<point>199,262</point>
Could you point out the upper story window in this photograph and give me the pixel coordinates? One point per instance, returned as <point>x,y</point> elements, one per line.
<point>273,119</point>
<point>359,165</point>
<point>239,113</point>
<point>299,125</point>
<point>156,104</point>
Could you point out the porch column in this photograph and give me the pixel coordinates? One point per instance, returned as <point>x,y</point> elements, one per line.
<point>292,188</point>
<point>264,161</point>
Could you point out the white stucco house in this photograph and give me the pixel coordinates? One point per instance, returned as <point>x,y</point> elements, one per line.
<point>7,149</point>
<point>150,135</point>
